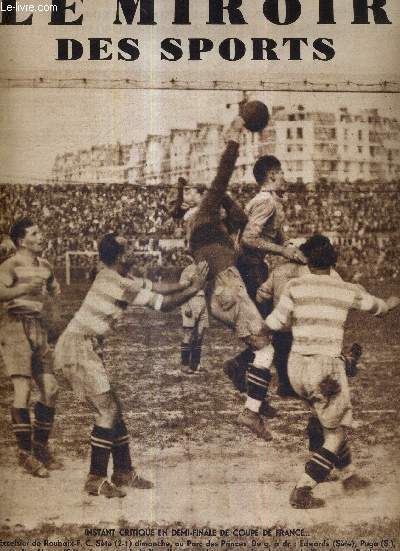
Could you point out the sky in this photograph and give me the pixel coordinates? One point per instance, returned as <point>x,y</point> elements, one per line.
<point>36,125</point>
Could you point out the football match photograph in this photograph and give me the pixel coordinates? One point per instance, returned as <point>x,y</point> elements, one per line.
<point>199,320</point>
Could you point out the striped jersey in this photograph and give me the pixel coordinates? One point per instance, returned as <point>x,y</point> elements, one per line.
<point>30,304</point>
<point>316,308</point>
<point>265,219</point>
<point>273,287</point>
<point>108,298</point>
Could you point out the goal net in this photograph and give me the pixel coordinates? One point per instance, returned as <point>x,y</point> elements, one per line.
<point>79,265</point>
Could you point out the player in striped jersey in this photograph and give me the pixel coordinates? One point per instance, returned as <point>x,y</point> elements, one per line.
<point>316,306</point>
<point>269,294</point>
<point>28,290</point>
<point>78,354</point>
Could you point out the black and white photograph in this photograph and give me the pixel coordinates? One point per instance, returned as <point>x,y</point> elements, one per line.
<point>199,275</point>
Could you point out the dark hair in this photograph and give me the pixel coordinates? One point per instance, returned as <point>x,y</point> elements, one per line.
<point>263,165</point>
<point>319,251</point>
<point>201,188</point>
<point>18,229</point>
<point>110,249</point>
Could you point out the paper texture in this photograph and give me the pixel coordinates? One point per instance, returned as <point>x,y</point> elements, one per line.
<point>97,144</point>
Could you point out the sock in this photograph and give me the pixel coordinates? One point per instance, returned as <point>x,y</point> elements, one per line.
<point>257,382</point>
<point>43,423</point>
<point>120,448</point>
<point>315,434</point>
<point>22,427</point>
<point>252,404</point>
<point>343,456</point>
<point>185,353</point>
<point>102,442</point>
<point>196,354</point>
<point>347,472</point>
<point>306,480</point>
<point>320,464</point>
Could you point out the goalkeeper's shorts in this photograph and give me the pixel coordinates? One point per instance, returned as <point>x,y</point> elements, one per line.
<point>231,304</point>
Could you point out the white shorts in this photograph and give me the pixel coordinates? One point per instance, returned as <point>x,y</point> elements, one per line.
<point>322,382</point>
<point>195,314</point>
<point>79,358</point>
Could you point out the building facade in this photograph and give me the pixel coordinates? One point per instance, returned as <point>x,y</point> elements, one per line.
<point>312,146</point>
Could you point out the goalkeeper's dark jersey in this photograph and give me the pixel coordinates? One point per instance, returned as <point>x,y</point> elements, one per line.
<point>210,239</point>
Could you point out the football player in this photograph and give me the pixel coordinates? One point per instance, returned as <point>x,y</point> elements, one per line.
<point>28,293</point>
<point>210,239</point>
<point>316,306</point>
<point>79,355</point>
<point>194,324</point>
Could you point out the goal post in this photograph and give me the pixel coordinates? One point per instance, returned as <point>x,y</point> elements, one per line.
<point>90,258</point>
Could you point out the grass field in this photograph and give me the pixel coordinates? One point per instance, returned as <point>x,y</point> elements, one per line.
<point>207,470</point>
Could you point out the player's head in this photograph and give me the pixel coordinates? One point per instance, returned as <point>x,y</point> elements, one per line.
<point>25,234</point>
<point>268,170</point>
<point>319,251</point>
<point>192,193</point>
<point>112,250</point>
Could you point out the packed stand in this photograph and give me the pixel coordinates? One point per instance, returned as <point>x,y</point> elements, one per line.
<point>362,218</point>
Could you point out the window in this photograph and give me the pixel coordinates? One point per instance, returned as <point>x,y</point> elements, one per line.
<point>360,135</point>
<point>288,133</point>
<point>299,133</point>
<point>332,133</point>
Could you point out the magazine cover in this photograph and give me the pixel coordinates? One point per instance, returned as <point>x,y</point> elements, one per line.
<point>199,274</point>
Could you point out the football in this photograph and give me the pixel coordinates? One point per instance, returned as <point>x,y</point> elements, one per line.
<point>255,115</point>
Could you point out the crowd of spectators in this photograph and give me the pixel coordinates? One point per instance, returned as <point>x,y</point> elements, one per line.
<point>362,218</point>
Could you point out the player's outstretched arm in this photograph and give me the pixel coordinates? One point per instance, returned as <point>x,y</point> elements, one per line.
<point>375,305</point>
<point>252,239</point>
<point>212,200</point>
<point>197,283</point>
<point>165,289</point>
